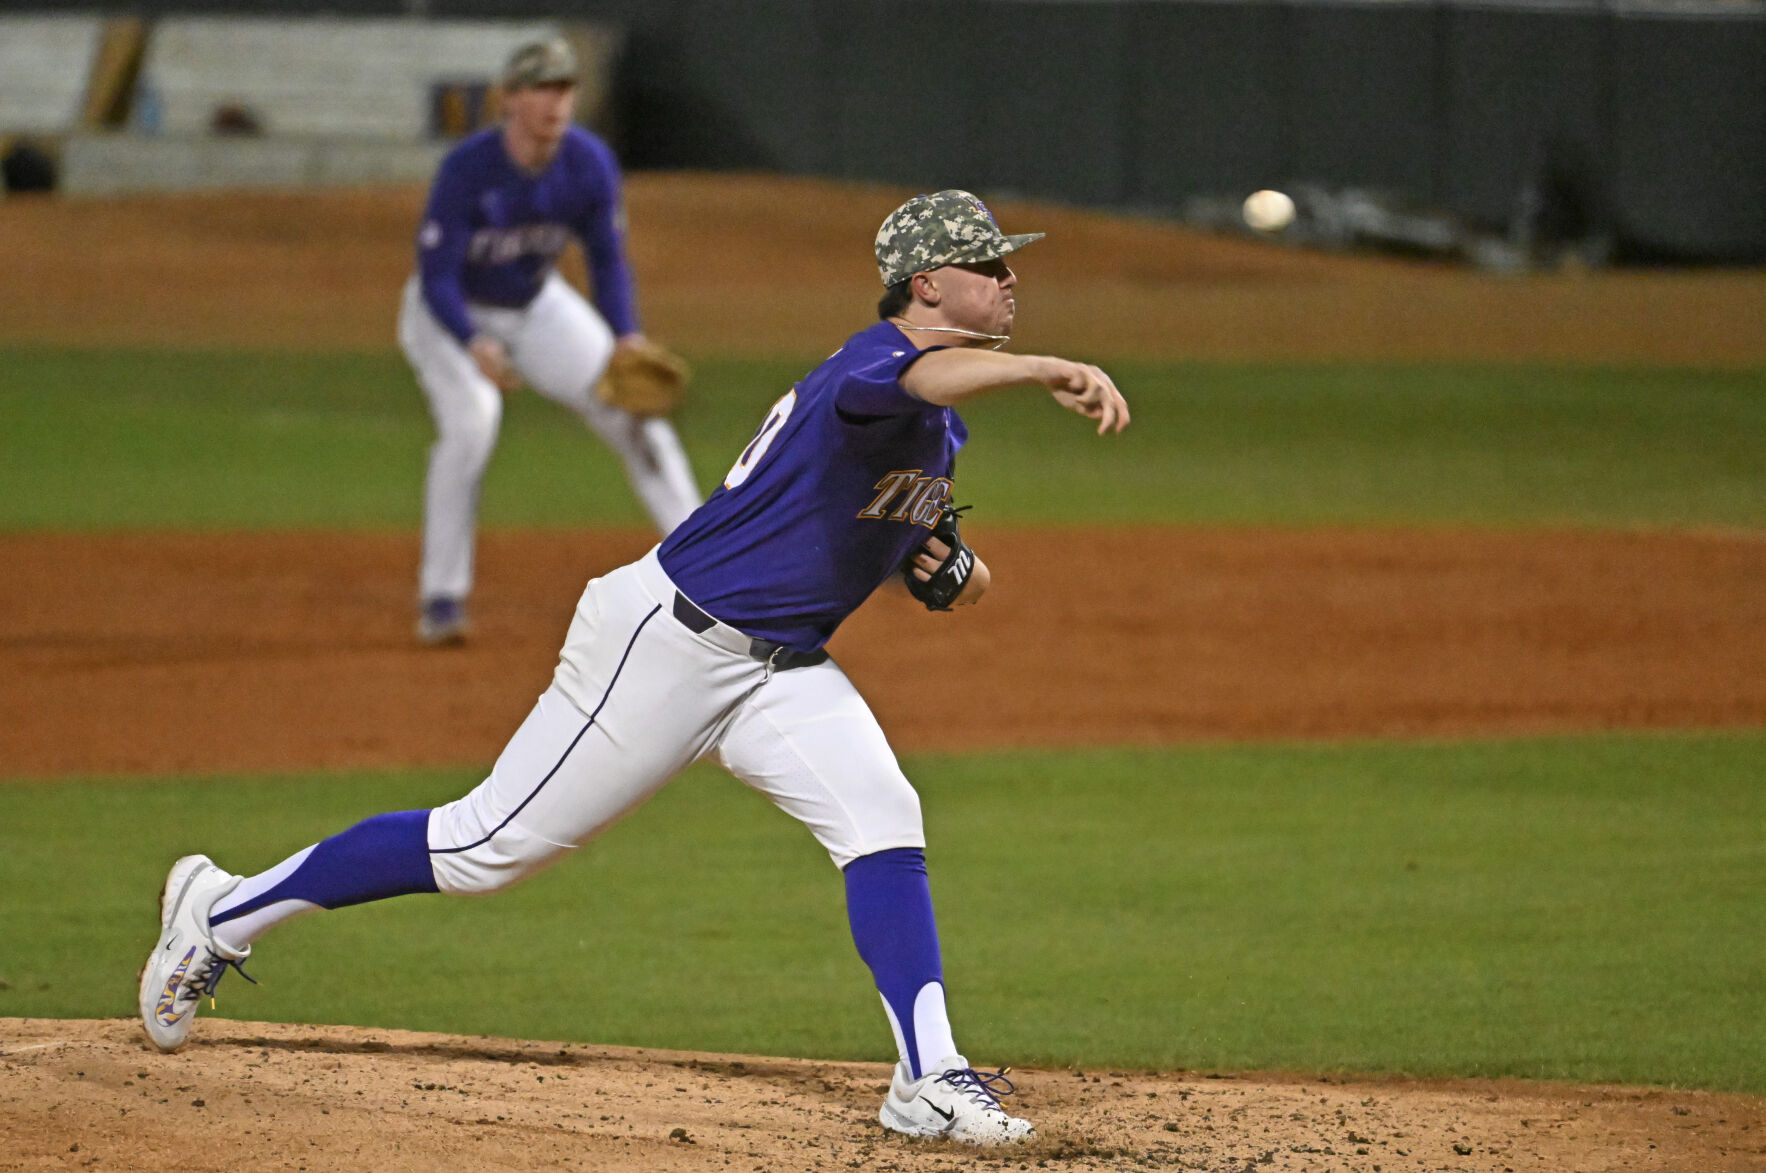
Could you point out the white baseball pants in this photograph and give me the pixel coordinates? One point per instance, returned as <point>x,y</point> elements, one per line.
<point>636,698</point>
<point>560,346</point>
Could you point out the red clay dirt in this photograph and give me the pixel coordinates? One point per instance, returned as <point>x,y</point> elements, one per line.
<point>249,652</point>
<point>740,264</point>
<point>265,1096</point>
<point>167,653</point>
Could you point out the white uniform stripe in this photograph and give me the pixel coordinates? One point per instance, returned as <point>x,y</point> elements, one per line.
<point>803,737</point>
<point>590,724</point>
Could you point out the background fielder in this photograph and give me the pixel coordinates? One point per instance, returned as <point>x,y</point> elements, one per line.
<point>487,310</point>
<point>711,645</point>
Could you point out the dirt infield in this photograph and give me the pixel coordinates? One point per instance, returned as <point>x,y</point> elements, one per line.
<point>149,654</point>
<point>246,1096</point>
<point>251,652</point>
<point>178,653</point>
<point>733,264</point>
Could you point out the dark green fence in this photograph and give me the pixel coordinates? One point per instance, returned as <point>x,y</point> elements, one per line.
<point>1650,119</point>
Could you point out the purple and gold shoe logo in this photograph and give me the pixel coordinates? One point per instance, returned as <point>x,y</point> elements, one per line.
<point>166,1013</point>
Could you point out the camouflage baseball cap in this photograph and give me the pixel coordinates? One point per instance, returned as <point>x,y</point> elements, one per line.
<point>539,63</point>
<point>947,228</point>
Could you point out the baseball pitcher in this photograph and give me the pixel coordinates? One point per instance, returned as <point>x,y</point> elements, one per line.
<point>711,646</point>
<point>487,311</point>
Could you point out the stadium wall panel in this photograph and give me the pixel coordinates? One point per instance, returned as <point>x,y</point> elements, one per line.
<point>1654,113</point>
<point>1357,86</point>
<point>1526,92</point>
<point>1688,154</point>
<point>1204,104</point>
<point>45,61</point>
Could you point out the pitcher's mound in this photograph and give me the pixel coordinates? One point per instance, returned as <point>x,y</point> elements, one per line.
<point>254,1095</point>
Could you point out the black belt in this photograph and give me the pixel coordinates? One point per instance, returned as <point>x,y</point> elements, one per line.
<point>779,657</point>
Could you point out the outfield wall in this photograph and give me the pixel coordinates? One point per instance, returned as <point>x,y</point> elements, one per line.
<point>1651,120</point>
<point>1646,120</point>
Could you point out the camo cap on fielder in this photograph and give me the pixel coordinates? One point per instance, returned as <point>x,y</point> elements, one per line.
<point>947,228</point>
<point>539,63</point>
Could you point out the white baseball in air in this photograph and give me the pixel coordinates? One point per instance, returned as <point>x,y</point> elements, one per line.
<point>1269,211</point>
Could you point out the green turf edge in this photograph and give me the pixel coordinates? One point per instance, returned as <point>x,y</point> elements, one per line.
<point>1574,908</point>
<point>220,440</point>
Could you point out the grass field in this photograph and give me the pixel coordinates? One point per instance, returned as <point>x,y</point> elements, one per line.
<point>1581,908</point>
<point>1584,908</point>
<point>104,440</point>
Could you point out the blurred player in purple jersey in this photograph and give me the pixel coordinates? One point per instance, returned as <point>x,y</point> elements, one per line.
<point>486,311</point>
<point>711,646</point>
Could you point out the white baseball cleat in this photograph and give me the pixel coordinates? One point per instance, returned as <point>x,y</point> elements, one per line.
<point>188,962</point>
<point>955,1102</point>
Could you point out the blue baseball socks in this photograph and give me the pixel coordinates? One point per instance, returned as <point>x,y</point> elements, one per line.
<point>387,855</point>
<point>888,900</point>
<point>889,904</point>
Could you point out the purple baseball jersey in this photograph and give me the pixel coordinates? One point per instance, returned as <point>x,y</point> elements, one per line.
<point>843,480</point>
<point>493,232</point>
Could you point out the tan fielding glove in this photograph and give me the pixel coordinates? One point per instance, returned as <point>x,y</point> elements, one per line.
<point>644,379</point>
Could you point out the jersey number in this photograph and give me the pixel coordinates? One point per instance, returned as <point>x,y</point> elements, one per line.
<point>763,439</point>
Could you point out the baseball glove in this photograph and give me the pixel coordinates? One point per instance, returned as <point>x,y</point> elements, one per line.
<point>644,379</point>
<point>952,575</point>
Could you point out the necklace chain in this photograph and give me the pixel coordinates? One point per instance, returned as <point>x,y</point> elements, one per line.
<point>998,340</point>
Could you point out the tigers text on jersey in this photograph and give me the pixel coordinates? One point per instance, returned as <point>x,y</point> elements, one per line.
<point>841,483</point>
<point>492,231</point>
